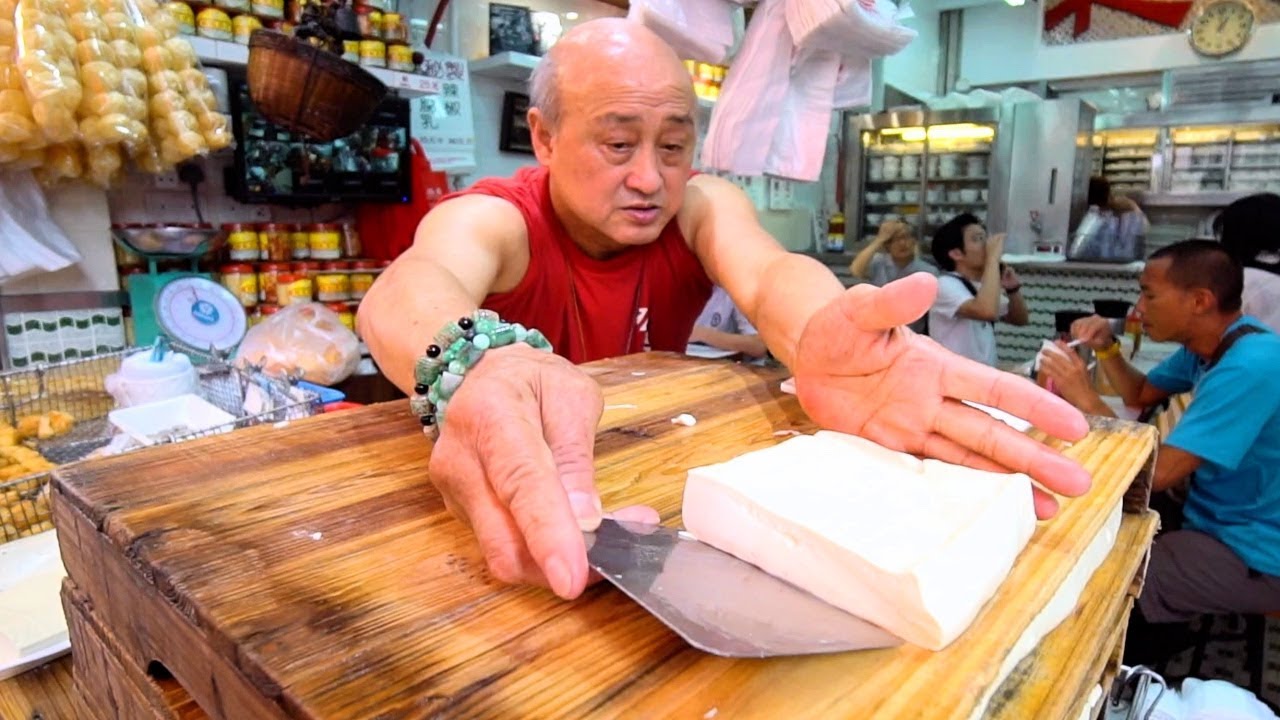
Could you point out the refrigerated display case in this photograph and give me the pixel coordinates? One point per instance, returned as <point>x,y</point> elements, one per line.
<point>1128,158</point>
<point>1206,156</point>
<point>1021,169</point>
<point>920,167</point>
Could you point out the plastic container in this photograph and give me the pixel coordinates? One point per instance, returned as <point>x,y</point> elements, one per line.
<point>273,242</point>
<point>268,277</point>
<point>351,246</point>
<point>400,57</point>
<point>214,23</point>
<point>351,50</point>
<point>182,415</point>
<point>333,286</point>
<point>362,275</point>
<point>346,315</point>
<point>273,9</point>
<point>242,26</point>
<point>373,53</point>
<point>369,22</point>
<point>242,281</point>
<point>299,242</point>
<point>239,6</point>
<point>326,241</point>
<point>293,289</point>
<point>182,14</point>
<point>141,380</point>
<point>242,241</point>
<point>394,29</point>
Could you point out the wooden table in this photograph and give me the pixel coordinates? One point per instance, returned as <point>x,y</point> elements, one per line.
<point>311,571</point>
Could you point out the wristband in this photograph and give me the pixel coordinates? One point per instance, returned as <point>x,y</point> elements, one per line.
<point>455,351</point>
<point>1108,352</point>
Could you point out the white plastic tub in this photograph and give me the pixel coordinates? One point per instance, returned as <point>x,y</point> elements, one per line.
<point>182,415</point>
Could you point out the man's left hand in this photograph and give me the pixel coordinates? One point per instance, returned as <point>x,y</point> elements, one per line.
<point>1009,279</point>
<point>858,371</point>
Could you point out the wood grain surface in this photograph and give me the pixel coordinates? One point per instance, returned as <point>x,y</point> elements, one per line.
<point>311,571</point>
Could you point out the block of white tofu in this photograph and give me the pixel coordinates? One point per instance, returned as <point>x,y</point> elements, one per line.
<point>916,547</point>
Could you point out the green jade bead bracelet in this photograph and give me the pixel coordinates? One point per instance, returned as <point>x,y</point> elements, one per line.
<point>455,351</point>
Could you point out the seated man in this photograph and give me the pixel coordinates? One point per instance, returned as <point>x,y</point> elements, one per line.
<point>609,243</point>
<point>974,290</point>
<point>1226,557</point>
<point>722,325</point>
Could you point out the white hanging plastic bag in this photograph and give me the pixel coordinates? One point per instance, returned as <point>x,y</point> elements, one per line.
<point>30,241</point>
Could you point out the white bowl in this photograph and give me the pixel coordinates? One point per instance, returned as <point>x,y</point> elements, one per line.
<point>874,219</point>
<point>911,195</point>
<point>969,195</point>
<point>894,196</point>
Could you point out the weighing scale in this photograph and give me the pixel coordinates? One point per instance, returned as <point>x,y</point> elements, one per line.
<point>187,306</point>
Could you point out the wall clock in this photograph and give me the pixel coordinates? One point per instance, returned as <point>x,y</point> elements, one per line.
<point>1221,27</point>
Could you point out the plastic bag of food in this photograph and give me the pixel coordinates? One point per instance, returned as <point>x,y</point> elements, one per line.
<point>307,338</point>
<point>18,131</point>
<point>45,58</point>
<point>113,108</point>
<point>185,120</point>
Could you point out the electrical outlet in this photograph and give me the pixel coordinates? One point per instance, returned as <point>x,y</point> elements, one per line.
<point>780,194</point>
<point>170,207</point>
<point>168,180</point>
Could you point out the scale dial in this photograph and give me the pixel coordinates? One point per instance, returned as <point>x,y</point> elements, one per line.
<point>200,313</point>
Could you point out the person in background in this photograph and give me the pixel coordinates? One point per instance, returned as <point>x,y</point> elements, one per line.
<point>892,255</point>
<point>1114,227</point>
<point>722,325</point>
<point>612,241</point>
<point>1249,229</point>
<point>1225,558</point>
<point>974,290</point>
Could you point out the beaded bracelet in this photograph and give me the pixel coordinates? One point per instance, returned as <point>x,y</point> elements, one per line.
<point>455,351</point>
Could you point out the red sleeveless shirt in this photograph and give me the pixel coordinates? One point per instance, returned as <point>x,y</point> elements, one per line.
<point>591,309</point>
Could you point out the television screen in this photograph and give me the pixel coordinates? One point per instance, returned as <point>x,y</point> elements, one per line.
<point>273,165</point>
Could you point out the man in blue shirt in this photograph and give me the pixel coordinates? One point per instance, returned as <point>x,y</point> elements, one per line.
<point>1226,556</point>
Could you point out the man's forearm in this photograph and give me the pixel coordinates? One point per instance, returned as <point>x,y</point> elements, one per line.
<point>398,320</point>
<point>792,288</point>
<point>747,344</point>
<point>858,268</point>
<point>1125,378</point>
<point>1017,314</point>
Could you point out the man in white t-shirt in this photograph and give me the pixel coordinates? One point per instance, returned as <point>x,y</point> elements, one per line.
<point>722,325</point>
<point>974,291</point>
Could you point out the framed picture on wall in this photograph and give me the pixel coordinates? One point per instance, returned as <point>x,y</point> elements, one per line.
<point>511,30</point>
<point>514,134</point>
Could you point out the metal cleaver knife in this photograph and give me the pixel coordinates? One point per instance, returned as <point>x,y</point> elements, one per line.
<point>718,603</point>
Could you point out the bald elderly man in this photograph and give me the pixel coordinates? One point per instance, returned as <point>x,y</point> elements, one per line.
<point>612,239</point>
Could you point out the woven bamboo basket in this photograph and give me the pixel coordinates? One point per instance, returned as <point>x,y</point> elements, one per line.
<point>307,89</point>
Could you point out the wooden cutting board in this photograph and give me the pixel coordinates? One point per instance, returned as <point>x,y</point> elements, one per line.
<point>311,571</point>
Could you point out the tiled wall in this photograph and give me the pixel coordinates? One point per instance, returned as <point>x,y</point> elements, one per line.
<point>54,336</point>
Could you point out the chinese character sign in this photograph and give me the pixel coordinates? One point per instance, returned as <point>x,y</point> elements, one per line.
<point>442,121</point>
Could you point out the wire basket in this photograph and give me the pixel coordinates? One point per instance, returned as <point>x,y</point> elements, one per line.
<point>77,388</point>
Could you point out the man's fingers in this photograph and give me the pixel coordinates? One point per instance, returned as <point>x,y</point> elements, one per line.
<point>570,415</point>
<point>992,439</point>
<point>470,499</point>
<point>964,379</point>
<point>523,475</point>
<point>937,446</point>
<point>642,514</point>
<point>1046,505</point>
<point>901,302</point>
